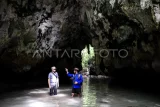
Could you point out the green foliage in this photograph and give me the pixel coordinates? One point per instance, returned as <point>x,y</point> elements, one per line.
<point>86,57</point>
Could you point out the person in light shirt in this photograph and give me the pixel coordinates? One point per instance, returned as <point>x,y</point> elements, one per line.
<point>53,81</point>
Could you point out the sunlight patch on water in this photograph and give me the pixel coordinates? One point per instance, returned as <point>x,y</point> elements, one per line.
<point>36,104</point>
<point>62,90</point>
<point>61,95</point>
<point>73,102</point>
<point>37,92</point>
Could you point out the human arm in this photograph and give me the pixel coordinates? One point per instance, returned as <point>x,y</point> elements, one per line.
<point>49,81</point>
<point>80,80</point>
<point>68,74</point>
<point>57,80</point>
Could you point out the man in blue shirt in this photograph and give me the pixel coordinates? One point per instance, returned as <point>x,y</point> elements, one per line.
<point>53,81</point>
<point>77,81</point>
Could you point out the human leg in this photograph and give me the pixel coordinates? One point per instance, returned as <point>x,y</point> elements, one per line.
<point>78,91</point>
<point>51,91</point>
<point>73,91</point>
<point>82,88</point>
<point>55,90</point>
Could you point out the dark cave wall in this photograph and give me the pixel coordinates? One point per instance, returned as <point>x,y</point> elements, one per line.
<point>30,31</point>
<point>29,28</point>
<point>130,25</point>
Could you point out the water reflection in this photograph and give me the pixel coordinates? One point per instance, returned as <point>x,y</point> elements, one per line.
<point>96,93</point>
<point>89,96</point>
<point>93,91</point>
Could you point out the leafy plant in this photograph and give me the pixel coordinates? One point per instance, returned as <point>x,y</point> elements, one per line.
<point>87,57</point>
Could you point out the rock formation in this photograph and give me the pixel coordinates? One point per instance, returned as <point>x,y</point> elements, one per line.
<point>124,33</point>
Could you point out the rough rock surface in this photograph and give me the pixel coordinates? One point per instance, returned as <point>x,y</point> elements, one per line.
<point>30,31</point>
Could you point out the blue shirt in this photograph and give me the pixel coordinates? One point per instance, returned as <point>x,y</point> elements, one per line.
<point>76,78</point>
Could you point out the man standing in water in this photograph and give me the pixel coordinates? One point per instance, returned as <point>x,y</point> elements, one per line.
<point>53,81</point>
<point>77,81</point>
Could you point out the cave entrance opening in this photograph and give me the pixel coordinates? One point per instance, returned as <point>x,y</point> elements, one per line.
<point>88,58</point>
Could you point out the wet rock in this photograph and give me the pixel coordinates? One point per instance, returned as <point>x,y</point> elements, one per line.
<point>31,29</point>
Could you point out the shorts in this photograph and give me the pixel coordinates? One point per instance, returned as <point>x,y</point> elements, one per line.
<point>76,90</point>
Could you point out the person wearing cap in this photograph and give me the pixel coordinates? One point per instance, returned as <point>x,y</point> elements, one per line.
<point>77,81</point>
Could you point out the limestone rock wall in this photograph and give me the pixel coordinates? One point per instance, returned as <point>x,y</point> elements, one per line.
<point>132,25</point>
<point>31,28</point>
